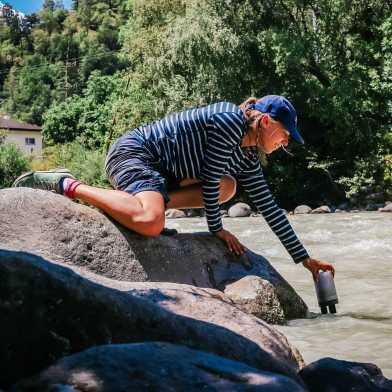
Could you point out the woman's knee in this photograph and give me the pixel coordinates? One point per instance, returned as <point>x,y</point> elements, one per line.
<point>228,188</point>
<point>152,216</point>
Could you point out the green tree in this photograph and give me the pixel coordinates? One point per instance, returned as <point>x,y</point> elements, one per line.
<point>12,164</point>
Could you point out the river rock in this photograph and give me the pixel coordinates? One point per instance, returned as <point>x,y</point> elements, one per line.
<point>321,210</point>
<point>333,375</point>
<point>193,212</point>
<point>343,206</point>
<point>386,208</point>
<point>239,210</point>
<point>59,229</point>
<point>258,297</point>
<point>48,311</point>
<point>302,209</point>
<point>374,206</point>
<point>172,213</point>
<point>224,213</point>
<point>146,367</point>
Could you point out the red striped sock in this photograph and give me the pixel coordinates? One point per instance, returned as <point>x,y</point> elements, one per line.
<point>69,186</point>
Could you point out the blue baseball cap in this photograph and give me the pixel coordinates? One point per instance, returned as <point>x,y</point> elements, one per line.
<point>281,109</point>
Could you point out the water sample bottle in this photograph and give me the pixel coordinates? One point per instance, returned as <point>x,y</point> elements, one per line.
<point>326,292</point>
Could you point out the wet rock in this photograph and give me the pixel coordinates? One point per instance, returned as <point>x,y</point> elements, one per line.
<point>191,212</point>
<point>258,297</point>
<point>343,206</point>
<point>59,229</point>
<point>302,209</point>
<point>173,213</point>
<point>333,375</point>
<point>321,210</point>
<point>224,213</point>
<point>387,208</point>
<point>146,367</point>
<point>195,212</point>
<point>48,311</point>
<point>239,210</point>
<point>374,206</point>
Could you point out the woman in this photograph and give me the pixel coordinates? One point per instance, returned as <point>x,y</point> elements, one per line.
<point>188,160</point>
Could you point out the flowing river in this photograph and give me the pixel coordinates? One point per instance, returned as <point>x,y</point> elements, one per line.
<point>360,247</point>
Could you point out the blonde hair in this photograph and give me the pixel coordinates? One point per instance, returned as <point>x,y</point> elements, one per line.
<point>251,115</point>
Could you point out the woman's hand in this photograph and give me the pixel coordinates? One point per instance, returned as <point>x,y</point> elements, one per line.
<point>314,266</point>
<point>231,241</point>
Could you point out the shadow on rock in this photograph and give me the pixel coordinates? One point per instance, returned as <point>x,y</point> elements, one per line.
<point>48,311</point>
<point>147,367</point>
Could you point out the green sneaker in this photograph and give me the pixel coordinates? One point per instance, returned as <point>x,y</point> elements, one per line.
<point>46,180</point>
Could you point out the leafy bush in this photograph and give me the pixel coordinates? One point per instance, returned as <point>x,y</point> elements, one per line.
<point>388,175</point>
<point>12,164</point>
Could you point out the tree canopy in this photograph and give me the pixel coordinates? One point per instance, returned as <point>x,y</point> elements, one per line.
<point>107,66</point>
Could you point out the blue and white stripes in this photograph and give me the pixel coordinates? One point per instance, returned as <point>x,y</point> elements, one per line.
<point>205,144</point>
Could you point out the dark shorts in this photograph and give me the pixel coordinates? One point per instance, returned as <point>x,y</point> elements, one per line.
<point>131,168</point>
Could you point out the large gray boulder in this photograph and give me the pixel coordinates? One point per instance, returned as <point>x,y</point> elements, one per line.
<point>258,297</point>
<point>146,367</point>
<point>334,375</point>
<point>55,227</point>
<point>48,311</point>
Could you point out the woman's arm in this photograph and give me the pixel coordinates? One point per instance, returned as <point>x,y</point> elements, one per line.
<point>252,179</point>
<point>224,135</point>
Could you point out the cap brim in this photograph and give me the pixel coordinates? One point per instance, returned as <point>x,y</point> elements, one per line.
<point>296,136</point>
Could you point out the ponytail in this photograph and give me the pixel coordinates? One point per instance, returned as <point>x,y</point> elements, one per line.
<point>246,106</point>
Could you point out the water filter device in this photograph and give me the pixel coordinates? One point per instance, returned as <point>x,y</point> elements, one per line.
<point>326,292</point>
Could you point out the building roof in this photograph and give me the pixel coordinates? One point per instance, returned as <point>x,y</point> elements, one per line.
<point>8,123</point>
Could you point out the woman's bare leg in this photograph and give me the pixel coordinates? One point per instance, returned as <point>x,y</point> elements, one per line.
<point>143,212</point>
<point>191,196</point>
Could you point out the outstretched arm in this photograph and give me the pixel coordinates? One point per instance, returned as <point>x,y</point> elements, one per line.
<point>255,185</point>
<point>252,179</point>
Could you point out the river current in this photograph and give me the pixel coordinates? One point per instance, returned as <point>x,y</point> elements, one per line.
<point>360,247</point>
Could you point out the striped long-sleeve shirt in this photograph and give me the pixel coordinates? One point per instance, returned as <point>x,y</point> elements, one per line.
<point>205,144</point>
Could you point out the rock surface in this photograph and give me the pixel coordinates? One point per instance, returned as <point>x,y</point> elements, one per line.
<point>258,297</point>
<point>55,227</point>
<point>387,208</point>
<point>239,210</point>
<point>302,209</point>
<point>48,311</point>
<point>333,375</point>
<point>173,213</point>
<point>321,210</point>
<point>146,367</point>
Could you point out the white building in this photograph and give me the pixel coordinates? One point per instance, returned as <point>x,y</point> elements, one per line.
<point>27,137</point>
